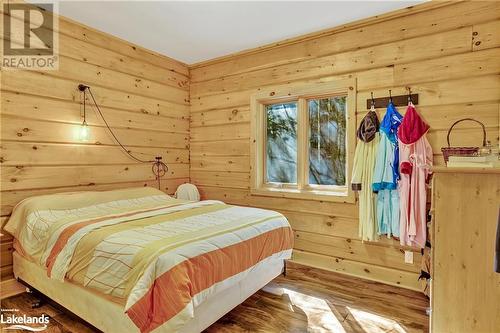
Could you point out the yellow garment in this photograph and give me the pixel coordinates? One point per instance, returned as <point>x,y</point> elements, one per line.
<point>362,175</point>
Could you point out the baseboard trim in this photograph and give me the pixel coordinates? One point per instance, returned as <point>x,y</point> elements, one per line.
<point>385,275</point>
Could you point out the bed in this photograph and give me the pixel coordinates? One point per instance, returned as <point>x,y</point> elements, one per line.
<point>138,260</point>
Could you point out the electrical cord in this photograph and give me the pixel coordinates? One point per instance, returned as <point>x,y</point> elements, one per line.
<point>159,168</point>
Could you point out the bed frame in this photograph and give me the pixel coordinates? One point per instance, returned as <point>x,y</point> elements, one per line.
<point>108,316</point>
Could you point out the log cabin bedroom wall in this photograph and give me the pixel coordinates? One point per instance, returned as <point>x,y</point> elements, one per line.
<point>446,52</point>
<point>143,95</point>
<point>198,117</point>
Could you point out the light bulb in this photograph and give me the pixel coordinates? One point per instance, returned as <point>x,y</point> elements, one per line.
<point>84,131</point>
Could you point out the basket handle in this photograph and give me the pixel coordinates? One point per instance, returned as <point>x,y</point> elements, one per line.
<point>470,119</point>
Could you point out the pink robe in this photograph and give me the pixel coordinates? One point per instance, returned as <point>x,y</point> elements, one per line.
<point>415,160</point>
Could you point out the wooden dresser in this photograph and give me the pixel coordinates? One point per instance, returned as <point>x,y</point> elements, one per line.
<point>465,290</point>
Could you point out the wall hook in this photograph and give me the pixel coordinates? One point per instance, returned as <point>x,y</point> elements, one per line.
<point>399,100</point>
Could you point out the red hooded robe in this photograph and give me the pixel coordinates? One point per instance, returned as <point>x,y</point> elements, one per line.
<point>415,160</point>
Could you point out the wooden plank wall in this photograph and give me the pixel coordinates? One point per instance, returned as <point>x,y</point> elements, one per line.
<point>446,52</point>
<point>144,97</point>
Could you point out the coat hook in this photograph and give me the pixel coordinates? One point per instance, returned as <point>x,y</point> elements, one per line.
<point>409,95</point>
<point>373,101</point>
<point>390,96</point>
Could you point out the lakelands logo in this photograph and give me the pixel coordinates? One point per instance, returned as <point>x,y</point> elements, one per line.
<point>23,322</point>
<point>30,38</point>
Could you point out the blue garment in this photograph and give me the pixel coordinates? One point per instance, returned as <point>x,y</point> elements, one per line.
<point>389,127</point>
<point>383,175</point>
<point>386,174</point>
<point>388,213</point>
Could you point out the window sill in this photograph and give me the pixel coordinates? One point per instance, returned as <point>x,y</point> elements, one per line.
<point>315,195</point>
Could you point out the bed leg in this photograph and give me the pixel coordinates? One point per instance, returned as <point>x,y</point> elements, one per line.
<point>39,298</point>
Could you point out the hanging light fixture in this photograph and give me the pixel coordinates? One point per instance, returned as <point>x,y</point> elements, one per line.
<point>159,168</point>
<point>83,133</point>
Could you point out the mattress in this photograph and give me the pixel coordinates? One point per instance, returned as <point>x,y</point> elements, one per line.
<point>159,258</point>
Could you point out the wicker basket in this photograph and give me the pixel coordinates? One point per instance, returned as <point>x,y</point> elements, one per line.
<point>462,151</point>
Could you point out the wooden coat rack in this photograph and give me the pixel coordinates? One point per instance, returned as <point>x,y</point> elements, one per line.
<point>399,100</point>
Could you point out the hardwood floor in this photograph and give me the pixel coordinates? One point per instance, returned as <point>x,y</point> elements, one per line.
<point>312,300</point>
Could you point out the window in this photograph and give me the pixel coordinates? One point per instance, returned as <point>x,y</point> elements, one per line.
<point>281,143</point>
<point>327,141</point>
<point>303,141</point>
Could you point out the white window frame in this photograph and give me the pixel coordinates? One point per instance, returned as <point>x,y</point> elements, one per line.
<point>301,94</point>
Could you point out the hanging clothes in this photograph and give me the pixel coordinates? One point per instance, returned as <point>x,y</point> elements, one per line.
<point>386,174</point>
<point>426,270</point>
<point>415,157</point>
<point>364,163</point>
<point>497,251</point>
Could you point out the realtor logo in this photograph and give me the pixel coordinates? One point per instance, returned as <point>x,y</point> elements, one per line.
<point>30,38</point>
<point>11,320</point>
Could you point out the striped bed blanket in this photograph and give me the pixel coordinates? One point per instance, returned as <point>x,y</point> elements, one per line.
<point>161,256</point>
